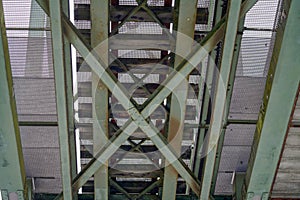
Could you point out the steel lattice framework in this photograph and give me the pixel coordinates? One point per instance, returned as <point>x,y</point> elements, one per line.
<point>221,44</point>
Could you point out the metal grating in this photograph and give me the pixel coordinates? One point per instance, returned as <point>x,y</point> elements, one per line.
<point>254,59</point>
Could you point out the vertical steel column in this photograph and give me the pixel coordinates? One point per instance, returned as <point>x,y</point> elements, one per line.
<point>61,98</point>
<point>99,43</point>
<point>280,92</point>
<point>12,170</point>
<point>220,95</point>
<point>186,28</point>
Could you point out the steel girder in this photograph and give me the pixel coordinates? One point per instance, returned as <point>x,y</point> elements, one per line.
<point>12,171</point>
<point>207,95</point>
<point>61,98</point>
<point>219,103</point>
<point>281,89</point>
<point>117,141</point>
<point>186,28</point>
<point>69,95</point>
<point>228,102</point>
<point>138,118</point>
<point>99,41</point>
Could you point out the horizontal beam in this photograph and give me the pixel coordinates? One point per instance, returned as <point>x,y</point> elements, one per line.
<point>112,197</point>
<point>141,41</point>
<point>119,13</point>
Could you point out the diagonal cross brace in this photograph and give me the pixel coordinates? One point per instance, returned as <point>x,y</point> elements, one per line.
<point>138,118</point>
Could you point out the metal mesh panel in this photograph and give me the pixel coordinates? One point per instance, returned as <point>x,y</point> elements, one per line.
<point>35,98</point>
<point>42,162</point>
<point>233,157</point>
<point>254,54</point>
<point>31,56</point>
<point>139,54</point>
<point>39,137</point>
<point>224,186</point>
<point>206,4</point>
<point>31,15</point>
<point>246,98</point>
<point>203,3</point>
<point>82,1</point>
<point>140,28</point>
<point>43,185</point>
<point>134,3</point>
<point>83,24</point>
<point>262,15</point>
<point>253,64</point>
<point>239,135</point>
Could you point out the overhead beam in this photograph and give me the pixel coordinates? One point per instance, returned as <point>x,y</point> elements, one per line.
<point>113,197</point>
<point>12,171</point>
<point>185,28</point>
<point>99,43</point>
<point>119,13</point>
<point>61,98</point>
<point>281,89</point>
<point>219,102</point>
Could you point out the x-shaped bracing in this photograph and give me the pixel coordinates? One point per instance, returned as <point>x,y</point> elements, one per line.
<point>139,118</point>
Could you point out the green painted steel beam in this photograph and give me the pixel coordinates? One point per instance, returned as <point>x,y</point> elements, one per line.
<point>29,188</point>
<point>61,98</point>
<point>69,95</point>
<point>280,92</point>
<point>99,43</point>
<point>235,59</point>
<point>149,188</point>
<point>12,171</point>
<point>185,29</point>
<point>119,197</point>
<point>121,95</point>
<point>219,102</point>
<point>206,91</point>
<point>119,188</point>
<point>139,118</point>
<point>239,178</point>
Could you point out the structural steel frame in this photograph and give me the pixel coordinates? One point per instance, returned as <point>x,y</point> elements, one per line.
<point>281,86</point>
<point>186,28</point>
<point>11,155</point>
<point>99,35</point>
<point>219,103</point>
<point>55,7</point>
<point>138,118</point>
<point>65,33</point>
